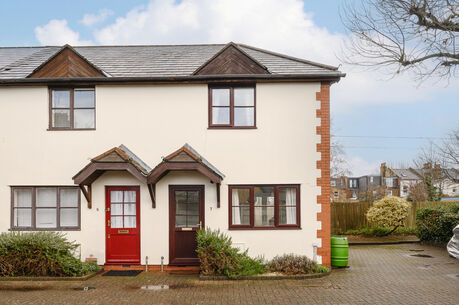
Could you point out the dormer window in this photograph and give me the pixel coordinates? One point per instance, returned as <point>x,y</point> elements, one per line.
<point>232,107</point>
<point>72,109</point>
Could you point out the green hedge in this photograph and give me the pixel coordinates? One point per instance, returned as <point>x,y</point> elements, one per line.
<point>435,224</point>
<point>40,254</point>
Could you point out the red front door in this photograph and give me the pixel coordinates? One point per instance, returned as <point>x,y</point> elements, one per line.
<point>186,210</point>
<point>122,224</point>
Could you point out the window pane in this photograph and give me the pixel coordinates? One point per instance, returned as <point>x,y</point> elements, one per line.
<point>129,209</point>
<point>241,215</point>
<point>264,216</point>
<point>264,195</point>
<point>22,198</point>
<point>61,99</point>
<point>129,196</point>
<point>287,196</point>
<point>287,215</point>
<point>180,208</point>
<point>69,217</point>
<point>193,221</point>
<point>61,118</point>
<point>116,196</point>
<point>243,97</point>
<point>193,208</point>
<point>244,116</point>
<point>22,217</point>
<point>46,218</point>
<point>116,222</point>
<point>116,209</point>
<point>240,197</point>
<point>220,97</point>
<point>180,221</point>
<point>129,222</point>
<point>83,98</point>
<point>46,197</point>
<point>220,115</point>
<point>69,197</point>
<point>84,118</point>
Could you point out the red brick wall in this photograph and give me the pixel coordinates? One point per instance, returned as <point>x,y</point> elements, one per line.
<point>324,166</point>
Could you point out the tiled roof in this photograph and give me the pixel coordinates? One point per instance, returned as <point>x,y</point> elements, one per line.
<point>153,60</point>
<point>406,174</point>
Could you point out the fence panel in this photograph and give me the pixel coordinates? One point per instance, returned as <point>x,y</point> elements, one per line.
<point>351,215</point>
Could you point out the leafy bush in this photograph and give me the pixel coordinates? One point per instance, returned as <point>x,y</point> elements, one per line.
<point>218,257</point>
<point>389,212</point>
<point>377,231</point>
<point>40,254</point>
<point>435,224</point>
<point>295,264</point>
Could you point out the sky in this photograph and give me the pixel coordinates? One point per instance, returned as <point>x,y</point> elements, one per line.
<point>376,118</point>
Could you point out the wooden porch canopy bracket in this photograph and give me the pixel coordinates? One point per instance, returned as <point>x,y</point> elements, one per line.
<point>116,159</point>
<point>185,159</point>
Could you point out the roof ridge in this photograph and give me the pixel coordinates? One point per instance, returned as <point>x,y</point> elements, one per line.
<point>290,57</point>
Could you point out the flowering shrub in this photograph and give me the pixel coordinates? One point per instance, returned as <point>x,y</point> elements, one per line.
<point>389,212</point>
<point>295,264</point>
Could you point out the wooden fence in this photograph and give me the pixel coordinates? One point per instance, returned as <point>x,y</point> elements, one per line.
<point>351,215</point>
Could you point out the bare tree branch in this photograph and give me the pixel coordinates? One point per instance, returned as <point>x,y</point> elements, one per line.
<point>417,35</point>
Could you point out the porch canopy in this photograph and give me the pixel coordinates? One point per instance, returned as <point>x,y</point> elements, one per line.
<point>122,159</point>
<point>185,159</point>
<point>116,159</point>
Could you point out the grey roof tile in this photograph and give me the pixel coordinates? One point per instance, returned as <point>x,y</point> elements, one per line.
<point>150,61</point>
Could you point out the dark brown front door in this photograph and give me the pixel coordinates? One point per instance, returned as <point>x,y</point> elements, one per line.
<point>186,210</point>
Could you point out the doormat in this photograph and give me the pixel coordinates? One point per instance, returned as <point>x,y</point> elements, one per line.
<point>122,273</point>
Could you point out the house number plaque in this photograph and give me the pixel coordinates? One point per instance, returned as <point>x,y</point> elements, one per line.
<point>123,231</point>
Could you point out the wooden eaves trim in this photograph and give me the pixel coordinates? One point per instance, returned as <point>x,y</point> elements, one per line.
<point>231,59</point>
<point>66,63</point>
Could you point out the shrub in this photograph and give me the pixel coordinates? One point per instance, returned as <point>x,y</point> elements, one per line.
<point>218,257</point>
<point>40,254</point>
<point>377,231</point>
<point>435,224</point>
<point>389,212</point>
<point>295,264</point>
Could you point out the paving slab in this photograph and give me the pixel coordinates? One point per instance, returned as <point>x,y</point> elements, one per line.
<point>378,274</point>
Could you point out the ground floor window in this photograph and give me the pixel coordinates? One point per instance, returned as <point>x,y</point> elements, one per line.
<point>45,208</point>
<point>264,206</point>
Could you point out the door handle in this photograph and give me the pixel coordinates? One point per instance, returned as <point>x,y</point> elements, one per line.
<point>200,225</point>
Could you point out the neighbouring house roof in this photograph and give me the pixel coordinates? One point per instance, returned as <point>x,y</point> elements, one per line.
<point>160,61</point>
<point>406,174</point>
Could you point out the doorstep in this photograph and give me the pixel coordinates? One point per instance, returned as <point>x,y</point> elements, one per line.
<point>155,268</point>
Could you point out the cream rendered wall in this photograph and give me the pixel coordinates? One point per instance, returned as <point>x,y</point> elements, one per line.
<point>154,121</point>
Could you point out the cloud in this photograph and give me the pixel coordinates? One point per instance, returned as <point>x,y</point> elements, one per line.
<point>92,19</point>
<point>278,25</point>
<point>57,32</point>
<point>361,167</point>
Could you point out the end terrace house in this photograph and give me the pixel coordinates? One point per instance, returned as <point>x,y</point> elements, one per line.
<point>129,150</point>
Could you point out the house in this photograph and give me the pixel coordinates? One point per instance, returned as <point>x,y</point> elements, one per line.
<point>364,188</point>
<point>129,150</point>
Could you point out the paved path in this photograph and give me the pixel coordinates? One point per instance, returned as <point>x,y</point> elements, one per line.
<point>384,274</point>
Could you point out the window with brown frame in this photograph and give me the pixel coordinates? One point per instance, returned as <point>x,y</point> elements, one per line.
<point>232,107</point>
<point>45,208</point>
<point>264,206</point>
<point>72,109</point>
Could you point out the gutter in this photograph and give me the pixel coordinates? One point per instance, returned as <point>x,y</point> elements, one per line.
<point>332,77</point>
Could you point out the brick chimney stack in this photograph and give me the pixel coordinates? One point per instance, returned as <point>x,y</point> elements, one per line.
<point>427,165</point>
<point>437,166</point>
<point>383,169</point>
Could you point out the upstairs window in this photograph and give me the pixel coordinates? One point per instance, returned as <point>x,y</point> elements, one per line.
<point>232,107</point>
<point>72,109</point>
